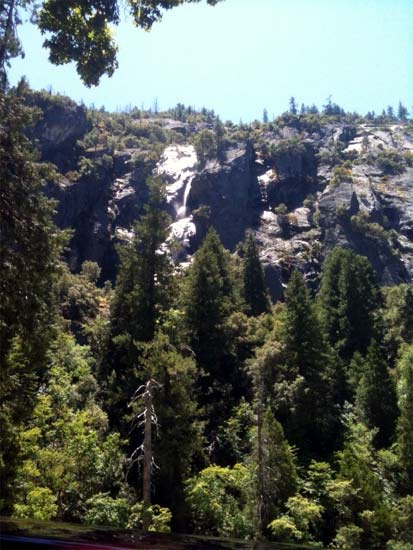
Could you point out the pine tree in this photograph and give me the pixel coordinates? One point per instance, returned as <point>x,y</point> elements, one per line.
<point>402,112</point>
<point>142,294</point>
<point>406,316</point>
<point>276,472</point>
<point>177,440</point>
<point>293,106</point>
<point>376,395</point>
<point>405,421</point>
<point>255,292</point>
<point>348,299</point>
<point>308,363</point>
<point>30,246</point>
<point>208,302</point>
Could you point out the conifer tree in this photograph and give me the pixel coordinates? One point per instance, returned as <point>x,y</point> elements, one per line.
<point>348,299</point>
<point>308,361</point>
<point>255,293</point>
<point>142,294</point>
<point>209,300</point>
<point>406,316</point>
<point>405,421</point>
<point>276,472</point>
<point>376,395</point>
<point>30,246</point>
<point>177,440</point>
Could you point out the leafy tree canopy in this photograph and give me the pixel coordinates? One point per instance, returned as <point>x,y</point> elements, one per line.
<point>80,30</point>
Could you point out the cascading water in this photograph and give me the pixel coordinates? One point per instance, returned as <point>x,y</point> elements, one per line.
<point>182,210</point>
<point>178,166</point>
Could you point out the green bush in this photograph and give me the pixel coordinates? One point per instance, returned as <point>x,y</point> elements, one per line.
<point>40,504</point>
<point>102,509</point>
<point>160,518</point>
<point>390,162</point>
<point>341,174</point>
<point>206,146</point>
<point>361,224</point>
<point>219,500</point>
<point>348,537</point>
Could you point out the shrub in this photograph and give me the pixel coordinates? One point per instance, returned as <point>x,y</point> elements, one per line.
<point>160,518</point>
<point>219,500</point>
<point>348,537</point>
<point>361,224</point>
<point>341,174</point>
<point>40,504</point>
<point>390,162</point>
<point>102,509</point>
<point>206,146</point>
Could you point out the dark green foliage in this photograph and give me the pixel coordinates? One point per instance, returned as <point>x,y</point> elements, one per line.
<point>275,463</point>
<point>307,362</point>
<point>405,421</point>
<point>80,31</point>
<point>390,162</point>
<point>209,300</point>
<point>376,395</point>
<point>141,297</point>
<point>30,245</point>
<point>66,451</point>
<point>178,443</point>
<point>406,316</point>
<point>228,365</point>
<point>79,297</point>
<point>402,112</point>
<point>348,299</point>
<point>397,315</point>
<point>10,46</point>
<point>255,293</point>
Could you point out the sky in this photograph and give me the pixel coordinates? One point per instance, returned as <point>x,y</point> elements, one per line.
<point>242,56</point>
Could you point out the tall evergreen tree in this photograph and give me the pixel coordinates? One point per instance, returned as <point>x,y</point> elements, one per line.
<point>30,246</point>
<point>209,300</point>
<point>142,294</point>
<point>178,441</point>
<point>376,395</point>
<point>348,299</point>
<point>255,293</point>
<point>308,364</point>
<point>275,469</point>
<point>406,316</point>
<point>405,421</point>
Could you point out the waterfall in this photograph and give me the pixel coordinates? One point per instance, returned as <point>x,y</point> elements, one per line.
<point>178,165</point>
<point>181,213</point>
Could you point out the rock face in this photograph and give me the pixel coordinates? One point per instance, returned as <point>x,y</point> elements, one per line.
<point>229,190</point>
<point>299,204</point>
<point>56,132</point>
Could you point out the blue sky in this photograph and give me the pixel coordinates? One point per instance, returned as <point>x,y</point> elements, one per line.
<point>242,56</point>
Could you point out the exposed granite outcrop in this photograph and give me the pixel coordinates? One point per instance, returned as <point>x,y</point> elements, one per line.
<point>58,129</point>
<point>295,204</point>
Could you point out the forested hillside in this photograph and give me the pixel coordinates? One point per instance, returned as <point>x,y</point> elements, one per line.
<point>245,289</point>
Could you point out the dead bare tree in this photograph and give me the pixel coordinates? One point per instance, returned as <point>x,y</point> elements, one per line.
<point>145,417</point>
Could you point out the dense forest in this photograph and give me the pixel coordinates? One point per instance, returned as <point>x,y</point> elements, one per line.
<point>177,392</point>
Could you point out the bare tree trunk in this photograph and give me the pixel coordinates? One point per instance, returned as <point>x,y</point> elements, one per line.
<point>260,443</point>
<point>145,418</point>
<point>147,455</point>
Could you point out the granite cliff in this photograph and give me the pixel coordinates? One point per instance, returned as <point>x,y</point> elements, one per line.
<point>303,185</point>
